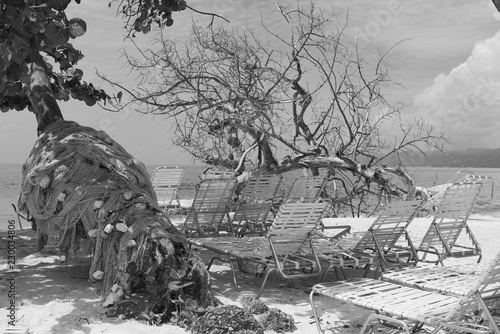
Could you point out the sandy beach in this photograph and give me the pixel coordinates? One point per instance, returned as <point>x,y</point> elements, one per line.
<point>51,297</point>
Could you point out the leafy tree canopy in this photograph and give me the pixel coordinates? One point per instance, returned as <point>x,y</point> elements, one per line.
<point>32,29</point>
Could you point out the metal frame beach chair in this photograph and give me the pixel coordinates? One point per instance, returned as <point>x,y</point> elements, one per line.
<point>278,250</point>
<point>255,203</point>
<point>209,212</point>
<point>450,220</point>
<point>381,244</point>
<point>411,309</point>
<point>166,181</point>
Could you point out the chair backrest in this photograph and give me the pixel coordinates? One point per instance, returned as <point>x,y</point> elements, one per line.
<point>257,197</point>
<point>483,297</point>
<point>390,224</point>
<point>166,181</point>
<point>261,188</point>
<point>167,176</point>
<point>437,192</point>
<point>307,188</point>
<point>211,201</point>
<point>292,227</point>
<point>451,215</point>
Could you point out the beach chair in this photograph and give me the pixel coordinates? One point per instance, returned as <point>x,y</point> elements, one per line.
<point>437,192</point>
<point>255,203</point>
<point>386,243</point>
<point>411,309</point>
<point>449,221</point>
<point>278,250</point>
<point>166,181</point>
<point>209,212</point>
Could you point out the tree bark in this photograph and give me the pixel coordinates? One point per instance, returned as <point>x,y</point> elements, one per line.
<point>41,95</point>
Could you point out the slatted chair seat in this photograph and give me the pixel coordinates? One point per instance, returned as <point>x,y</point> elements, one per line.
<point>166,181</point>
<point>472,313</point>
<point>381,244</point>
<point>452,280</point>
<point>279,250</point>
<point>255,203</point>
<point>450,220</point>
<point>209,213</point>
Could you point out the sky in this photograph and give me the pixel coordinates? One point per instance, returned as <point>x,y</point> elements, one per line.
<point>447,66</point>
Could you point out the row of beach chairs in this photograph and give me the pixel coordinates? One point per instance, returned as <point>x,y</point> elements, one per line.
<point>407,297</point>
<point>461,298</point>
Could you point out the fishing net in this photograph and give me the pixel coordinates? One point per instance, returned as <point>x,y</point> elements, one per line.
<point>79,185</point>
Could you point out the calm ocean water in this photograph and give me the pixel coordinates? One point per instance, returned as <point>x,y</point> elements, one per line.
<point>10,180</point>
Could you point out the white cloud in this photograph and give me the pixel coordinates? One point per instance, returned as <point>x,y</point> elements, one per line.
<point>466,102</point>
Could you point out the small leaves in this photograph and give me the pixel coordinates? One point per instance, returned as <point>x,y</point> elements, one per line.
<point>177,274</point>
<point>177,285</point>
<point>59,5</point>
<point>56,35</point>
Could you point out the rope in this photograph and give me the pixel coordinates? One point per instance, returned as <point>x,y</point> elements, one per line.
<point>77,180</point>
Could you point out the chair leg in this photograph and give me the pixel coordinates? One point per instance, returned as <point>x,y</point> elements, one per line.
<point>264,282</point>
<point>322,277</point>
<point>383,318</point>
<point>340,274</point>
<point>235,280</point>
<point>367,269</point>
<point>315,313</point>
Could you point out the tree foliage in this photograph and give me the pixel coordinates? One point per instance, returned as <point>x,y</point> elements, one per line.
<point>307,100</point>
<point>38,62</point>
<point>36,28</point>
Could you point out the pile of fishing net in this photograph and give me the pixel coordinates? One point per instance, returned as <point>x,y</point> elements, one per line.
<point>80,186</point>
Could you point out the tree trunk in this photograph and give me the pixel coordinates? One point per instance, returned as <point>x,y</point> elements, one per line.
<point>41,96</point>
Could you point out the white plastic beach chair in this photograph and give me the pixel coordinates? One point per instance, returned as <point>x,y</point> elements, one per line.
<point>279,250</point>
<point>450,220</point>
<point>385,243</point>
<point>166,181</point>
<point>406,307</point>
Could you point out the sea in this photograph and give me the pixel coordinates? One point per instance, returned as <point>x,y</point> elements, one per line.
<point>10,181</point>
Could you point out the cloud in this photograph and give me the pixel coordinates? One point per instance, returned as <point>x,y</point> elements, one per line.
<point>466,101</point>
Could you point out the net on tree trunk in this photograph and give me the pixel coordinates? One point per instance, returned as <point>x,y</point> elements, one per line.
<point>78,182</point>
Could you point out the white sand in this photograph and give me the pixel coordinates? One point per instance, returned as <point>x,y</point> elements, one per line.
<point>54,298</point>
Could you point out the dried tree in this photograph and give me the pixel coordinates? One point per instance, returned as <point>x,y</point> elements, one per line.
<point>307,100</point>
